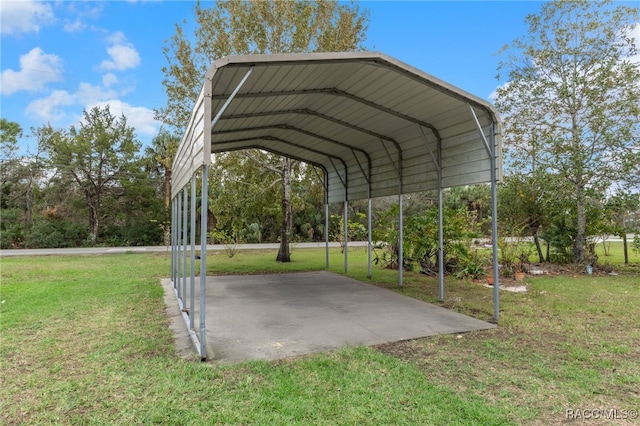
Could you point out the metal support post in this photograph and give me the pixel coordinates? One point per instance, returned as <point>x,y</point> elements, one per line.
<point>192,283</point>
<point>172,242</point>
<point>326,217</point>
<point>440,241</point>
<point>185,229</point>
<point>491,152</point>
<point>398,170</point>
<point>326,232</point>
<point>494,227</point>
<point>369,238</point>
<point>203,260</point>
<point>440,225</point>
<point>400,241</point>
<point>346,235</point>
<point>437,162</point>
<point>179,246</point>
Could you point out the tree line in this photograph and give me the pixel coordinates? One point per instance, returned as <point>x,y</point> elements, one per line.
<point>569,97</point>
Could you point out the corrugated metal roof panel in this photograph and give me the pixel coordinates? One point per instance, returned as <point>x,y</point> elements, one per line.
<point>324,107</point>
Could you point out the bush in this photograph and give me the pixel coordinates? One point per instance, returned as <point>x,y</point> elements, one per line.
<point>230,242</point>
<point>635,245</point>
<point>132,233</point>
<point>11,229</point>
<point>55,234</point>
<point>252,233</point>
<point>472,267</point>
<point>420,248</point>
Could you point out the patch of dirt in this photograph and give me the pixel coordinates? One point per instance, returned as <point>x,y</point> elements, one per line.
<point>538,269</point>
<point>403,350</point>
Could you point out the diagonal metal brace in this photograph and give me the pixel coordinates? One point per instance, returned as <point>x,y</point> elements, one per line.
<point>230,98</point>
<point>433,157</point>
<point>484,138</point>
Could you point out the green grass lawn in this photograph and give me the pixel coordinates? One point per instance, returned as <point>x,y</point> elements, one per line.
<point>612,253</point>
<point>84,340</point>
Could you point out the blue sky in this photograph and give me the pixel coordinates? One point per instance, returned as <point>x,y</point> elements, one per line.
<point>58,58</point>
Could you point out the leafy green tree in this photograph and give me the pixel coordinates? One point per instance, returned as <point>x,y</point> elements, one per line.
<point>160,159</point>
<point>473,198</point>
<point>240,27</point>
<point>250,27</point>
<point>620,208</point>
<point>97,155</point>
<point>10,133</point>
<point>59,213</point>
<point>20,177</point>
<point>244,190</point>
<point>571,100</point>
<point>308,190</point>
<point>11,227</point>
<point>134,213</point>
<point>526,202</point>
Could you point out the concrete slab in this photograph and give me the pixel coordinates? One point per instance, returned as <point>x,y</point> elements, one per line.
<point>281,315</point>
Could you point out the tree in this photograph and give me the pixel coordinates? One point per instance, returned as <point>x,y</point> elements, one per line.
<point>619,208</point>
<point>474,198</point>
<point>134,213</point>
<point>250,27</point>
<point>97,155</point>
<point>20,176</point>
<point>248,185</point>
<point>160,155</point>
<point>10,132</point>
<point>521,205</point>
<point>571,100</point>
<point>11,228</point>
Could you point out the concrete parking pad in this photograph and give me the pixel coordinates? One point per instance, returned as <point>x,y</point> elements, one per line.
<point>281,315</point>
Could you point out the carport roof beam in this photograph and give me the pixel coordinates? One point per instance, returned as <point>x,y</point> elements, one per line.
<point>335,92</point>
<point>280,153</point>
<point>284,141</point>
<point>295,129</point>
<point>307,111</point>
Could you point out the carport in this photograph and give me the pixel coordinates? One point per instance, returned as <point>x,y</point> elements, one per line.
<point>374,125</point>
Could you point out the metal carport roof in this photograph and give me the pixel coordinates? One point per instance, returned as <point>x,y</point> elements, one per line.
<point>375,125</point>
<point>370,121</point>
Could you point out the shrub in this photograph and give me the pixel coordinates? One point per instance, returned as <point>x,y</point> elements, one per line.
<point>55,233</point>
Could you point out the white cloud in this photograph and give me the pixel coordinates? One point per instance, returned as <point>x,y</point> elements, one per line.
<point>53,108</point>
<point>37,69</point>
<point>75,26</point>
<point>24,16</point>
<point>80,15</point>
<point>109,79</point>
<point>140,118</point>
<point>123,54</point>
<point>88,94</point>
<point>50,109</point>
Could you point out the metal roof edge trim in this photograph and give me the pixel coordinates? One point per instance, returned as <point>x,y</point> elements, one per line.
<point>377,57</point>
<point>282,58</point>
